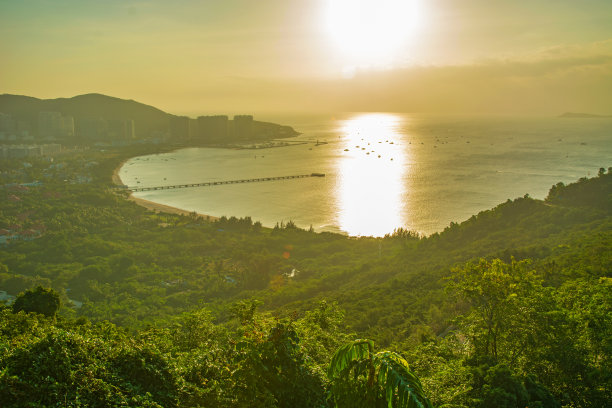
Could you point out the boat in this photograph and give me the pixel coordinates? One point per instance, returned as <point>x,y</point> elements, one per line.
<point>317,175</point>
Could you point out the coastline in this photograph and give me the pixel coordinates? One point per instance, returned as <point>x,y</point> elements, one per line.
<point>153,206</point>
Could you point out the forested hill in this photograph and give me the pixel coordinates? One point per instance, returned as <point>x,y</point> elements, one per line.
<point>399,291</point>
<point>148,120</point>
<point>136,308</point>
<point>88,106</point>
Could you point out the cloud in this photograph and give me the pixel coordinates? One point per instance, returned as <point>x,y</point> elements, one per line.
<point>549,81</point>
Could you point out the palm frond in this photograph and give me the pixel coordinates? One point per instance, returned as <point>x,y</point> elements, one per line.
<point>348,355</point>
<point>398,382</point>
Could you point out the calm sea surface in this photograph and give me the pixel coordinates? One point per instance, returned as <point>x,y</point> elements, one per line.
<point>383,171</point>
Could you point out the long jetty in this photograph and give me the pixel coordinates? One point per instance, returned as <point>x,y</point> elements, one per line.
<point>217,183</point>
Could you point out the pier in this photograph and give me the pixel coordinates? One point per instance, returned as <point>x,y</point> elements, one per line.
<point>135,189</point>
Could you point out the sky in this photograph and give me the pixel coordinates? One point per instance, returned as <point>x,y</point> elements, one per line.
<point>235,56</point>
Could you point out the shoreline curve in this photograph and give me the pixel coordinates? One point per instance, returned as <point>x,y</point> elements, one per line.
<point>153,206</point>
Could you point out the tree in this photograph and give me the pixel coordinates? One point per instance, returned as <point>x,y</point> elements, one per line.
<point>361,378</point>
<point>270,366</point>
<point>41,300</point>
<point>501,297</point>
<point>517,327</point>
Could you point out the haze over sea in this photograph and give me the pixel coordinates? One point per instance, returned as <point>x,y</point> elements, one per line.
<point>383,170</point>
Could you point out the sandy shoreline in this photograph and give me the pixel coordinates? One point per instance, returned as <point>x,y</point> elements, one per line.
<point>152,206</point>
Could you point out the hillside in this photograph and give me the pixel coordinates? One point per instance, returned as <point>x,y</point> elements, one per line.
<point>147,119</point>
<point>168,310</point>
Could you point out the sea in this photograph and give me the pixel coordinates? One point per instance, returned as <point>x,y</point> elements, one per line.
<point>383,171</point>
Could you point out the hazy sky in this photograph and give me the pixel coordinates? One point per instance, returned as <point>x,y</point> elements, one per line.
<point>528,56</point>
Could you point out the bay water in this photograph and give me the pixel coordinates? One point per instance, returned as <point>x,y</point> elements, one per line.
<point>382,170</point>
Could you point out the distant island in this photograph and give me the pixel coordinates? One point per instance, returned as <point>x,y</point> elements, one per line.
<point>96,119</point>
<point>577,115</point>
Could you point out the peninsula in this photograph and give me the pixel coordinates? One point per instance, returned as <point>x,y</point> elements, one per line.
<point>577,115</point>
<point>95,119</point>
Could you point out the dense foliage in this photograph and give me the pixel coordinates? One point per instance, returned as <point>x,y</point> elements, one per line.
<point>119,306</point>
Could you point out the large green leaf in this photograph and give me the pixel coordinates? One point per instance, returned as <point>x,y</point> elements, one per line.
<point>395,377</point>
<point>390,371</point>
<point>348,355</point>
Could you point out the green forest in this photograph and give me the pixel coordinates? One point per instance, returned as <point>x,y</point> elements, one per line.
<point>108,304</point>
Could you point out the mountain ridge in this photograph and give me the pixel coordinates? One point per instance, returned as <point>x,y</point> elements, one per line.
<point>148,119</point>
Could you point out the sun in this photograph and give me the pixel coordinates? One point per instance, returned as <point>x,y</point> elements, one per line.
<point>371,31</point>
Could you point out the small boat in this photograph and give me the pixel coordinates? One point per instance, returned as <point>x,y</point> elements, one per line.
<point>346,150</point>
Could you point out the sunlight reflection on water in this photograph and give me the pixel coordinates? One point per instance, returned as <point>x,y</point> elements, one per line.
<point>444,169</point>
<point>371,173</point>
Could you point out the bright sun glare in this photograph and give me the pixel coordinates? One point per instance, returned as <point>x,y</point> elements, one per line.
<point>371,32</point>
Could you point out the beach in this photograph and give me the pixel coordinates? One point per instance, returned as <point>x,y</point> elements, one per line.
<point>155,207</point>
<point>425,163</point>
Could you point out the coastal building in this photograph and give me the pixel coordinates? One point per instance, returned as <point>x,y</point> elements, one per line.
<point>51,149</point>
<point>106,130</point>
<point>50,125</point>
<point>25,151</point>
<point>68,126</point>
<point>12,129</point>
<point>24,130</point>
<point>243,127</point>
<point>20,151</point>
<point>130,129</point>
<point>121,129</point>
<point>181,128</point>
<point>7,124</point>
<point>212,128</point>
<point>91,128</point>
